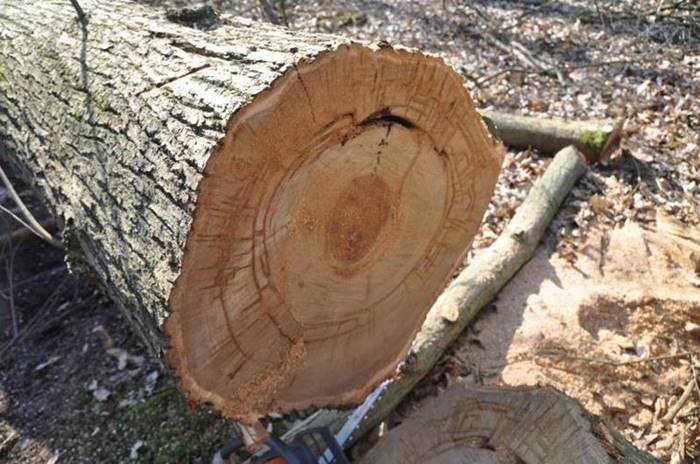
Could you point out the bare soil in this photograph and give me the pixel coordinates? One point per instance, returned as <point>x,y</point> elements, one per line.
<point>75,384</point>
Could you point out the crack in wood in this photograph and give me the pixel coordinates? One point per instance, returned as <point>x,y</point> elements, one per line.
<point>170,80</point>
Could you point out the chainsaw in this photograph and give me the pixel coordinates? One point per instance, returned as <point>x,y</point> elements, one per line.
<point>313,446</point>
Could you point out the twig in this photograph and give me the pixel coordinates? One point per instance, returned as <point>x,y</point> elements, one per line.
<point>515,48</point>
<point>82,19</point>
<point>693,362</point>
<point>596,64</point>
<point>658,7</point>
<point>31,223</point>
<point>661,7</point>
<point>490,77</point>
<point>519,19</point>
<point>24,231</point>
<point>9,267</point>
<point>285,16</point>
<point>673,411</point>
<point>270,12</point>
<point>79,11</point>
<point>46,275</point>
<point>38,317</point>
<point>8,441</point>
<point>478,82</point>
<point>613,362</point>
<point>164,390</point>
<point>600,14</point>
<point>16,218</point>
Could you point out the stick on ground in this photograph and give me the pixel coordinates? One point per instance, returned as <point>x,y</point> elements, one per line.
<point>685,396</point>
<point>595,138</point>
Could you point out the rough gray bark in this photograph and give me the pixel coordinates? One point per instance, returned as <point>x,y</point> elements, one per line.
<point>99,122</point>
<point>193,165</point>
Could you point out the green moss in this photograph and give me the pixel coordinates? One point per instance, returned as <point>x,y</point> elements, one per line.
<point>594,140</point>
<point>169,431</point>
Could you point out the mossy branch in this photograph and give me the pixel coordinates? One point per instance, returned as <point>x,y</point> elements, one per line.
<point>595,138</point>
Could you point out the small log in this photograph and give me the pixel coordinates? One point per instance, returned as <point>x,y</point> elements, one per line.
<point>595,138</point>
<point>474,288</point>
<point>473,425</point>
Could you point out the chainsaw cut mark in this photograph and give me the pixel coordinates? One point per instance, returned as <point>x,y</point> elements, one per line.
<point>345,194</point>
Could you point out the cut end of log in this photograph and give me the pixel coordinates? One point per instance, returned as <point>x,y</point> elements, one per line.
<point>329,218</point>
<point>486,425</point>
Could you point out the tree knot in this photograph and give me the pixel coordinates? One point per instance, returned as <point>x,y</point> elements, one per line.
<point>201,17</point>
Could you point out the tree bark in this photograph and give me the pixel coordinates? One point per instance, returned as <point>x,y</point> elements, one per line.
<point>277,209</point>
<point>473,425</point>
<point>595,138</point>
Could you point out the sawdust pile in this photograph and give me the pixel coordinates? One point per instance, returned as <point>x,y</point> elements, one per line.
<point>618,330</point>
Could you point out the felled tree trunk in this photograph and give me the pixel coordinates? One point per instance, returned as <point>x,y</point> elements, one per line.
<point>478,425</point>
<point>279,209</point>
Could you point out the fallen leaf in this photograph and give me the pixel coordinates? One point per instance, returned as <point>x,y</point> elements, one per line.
<point>101,394</point>
<point>134,451</point>
<point>54,459</point>
<point>47,363</point>
<point>599,204</point>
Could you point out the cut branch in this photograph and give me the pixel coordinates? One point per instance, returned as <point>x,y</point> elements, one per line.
<point>595,138</point>
<point>30,222</point>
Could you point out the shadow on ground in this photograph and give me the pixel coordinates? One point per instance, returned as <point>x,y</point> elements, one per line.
<point>62,394</point>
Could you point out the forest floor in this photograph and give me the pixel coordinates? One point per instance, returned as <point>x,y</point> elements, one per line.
<point>75,385</point>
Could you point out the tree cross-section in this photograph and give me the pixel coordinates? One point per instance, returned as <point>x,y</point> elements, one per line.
<point>276,210</point>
